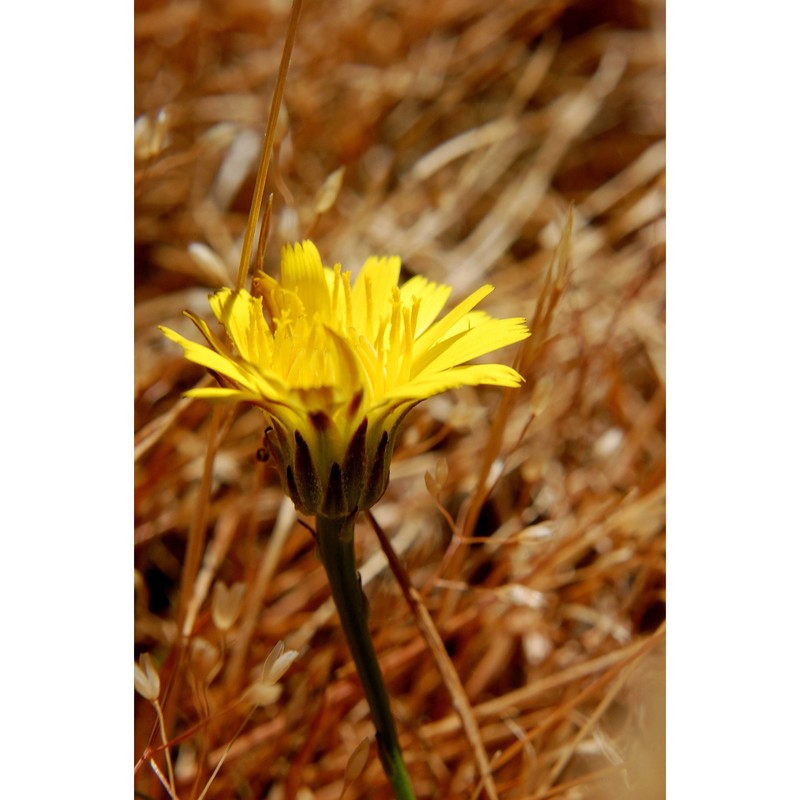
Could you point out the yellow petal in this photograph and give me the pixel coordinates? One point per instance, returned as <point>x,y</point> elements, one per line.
<point>469,321</point>
<point>208,335</point>
<point>432,296</point>
<point>491,335</point>
<point>372,294</point>
<point>213,393</point>
<point>440,328</point>
<point>473,375</point>
<point>251,379</point>
<point>303,274</point>
<point>199,354</point>
<point>243,318</point>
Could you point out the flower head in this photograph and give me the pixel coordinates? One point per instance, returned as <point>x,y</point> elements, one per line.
<point>336,366</point>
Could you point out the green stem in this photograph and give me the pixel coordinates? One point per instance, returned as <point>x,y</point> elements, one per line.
<point>337,552</point>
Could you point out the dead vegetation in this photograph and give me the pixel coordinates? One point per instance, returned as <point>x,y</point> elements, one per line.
<point>529,524</point>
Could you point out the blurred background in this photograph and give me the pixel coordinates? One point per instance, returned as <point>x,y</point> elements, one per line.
<point>456,135</point>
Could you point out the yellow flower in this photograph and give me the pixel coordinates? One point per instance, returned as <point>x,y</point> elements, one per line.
<point>335,367</point>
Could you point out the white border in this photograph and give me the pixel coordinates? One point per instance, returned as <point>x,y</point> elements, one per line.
<point>67,333</point>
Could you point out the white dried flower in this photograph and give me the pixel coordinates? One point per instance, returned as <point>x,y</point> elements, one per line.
<point>226,603</point>
<point>277,662</point>
<point>262,693</point>
<point>145,677</point>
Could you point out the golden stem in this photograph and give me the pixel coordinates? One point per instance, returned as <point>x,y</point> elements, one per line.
<point>269,138</point>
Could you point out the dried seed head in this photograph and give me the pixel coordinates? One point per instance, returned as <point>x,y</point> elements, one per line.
<point>145,677</point>
<point>204,659</point>
<point>209,262</point>
<point>277,662</point>
<point>186,764</point>
<point>226,603</point>
<point>329,191</point>
<point>357,761</point>
<point>219,136</point>
<point>436,478</point>
<point>274,655</point>
<point>262,693</point>
<point>282,664</point>
<point>519,595</point>
<point>150,135</point>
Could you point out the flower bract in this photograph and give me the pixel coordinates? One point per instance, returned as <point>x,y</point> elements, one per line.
<point>335,365</point>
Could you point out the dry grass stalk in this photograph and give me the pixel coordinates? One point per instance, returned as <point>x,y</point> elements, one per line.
<point>440,656</point>
<point>466,131</point>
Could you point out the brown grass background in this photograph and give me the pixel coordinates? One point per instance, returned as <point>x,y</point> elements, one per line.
<point>530,522</point>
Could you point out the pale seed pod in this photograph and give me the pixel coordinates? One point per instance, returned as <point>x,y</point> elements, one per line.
<point>357,761</point>
<point>226,603</point>
<point>145,677</point>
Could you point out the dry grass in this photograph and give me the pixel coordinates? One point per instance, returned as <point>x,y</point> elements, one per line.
<point>530,524</point>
